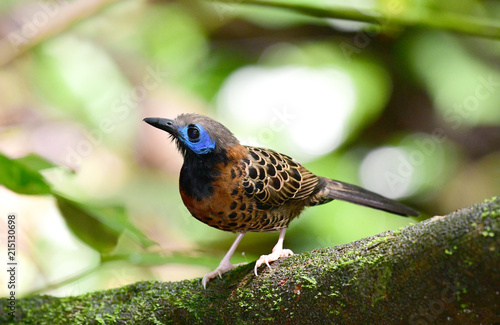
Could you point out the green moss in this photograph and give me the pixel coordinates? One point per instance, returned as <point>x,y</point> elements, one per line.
<point>469,263</point>
<point>244,296</point>
<point>492,210</point>
<point>333,293</point>
<point>384,277</point>
<point>488,233</point>
<point>309,282</point>
<point>334,311</point>
<point>380,239</point>
<point>492,200</point>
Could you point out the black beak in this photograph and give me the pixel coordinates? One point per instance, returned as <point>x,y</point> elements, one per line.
<point>162,124</point>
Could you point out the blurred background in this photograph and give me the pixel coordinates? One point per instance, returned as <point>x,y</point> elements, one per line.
<point>404,102</point>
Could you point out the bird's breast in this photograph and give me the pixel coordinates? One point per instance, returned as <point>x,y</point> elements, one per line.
<point>229,207</point>
<point>222,205</point>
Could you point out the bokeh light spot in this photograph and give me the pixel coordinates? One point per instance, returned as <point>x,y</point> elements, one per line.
<point>386,171</point>
<point>303,110</point>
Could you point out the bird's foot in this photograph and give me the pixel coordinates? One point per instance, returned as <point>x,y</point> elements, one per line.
<point>275,255</point>
<point>221,269</point>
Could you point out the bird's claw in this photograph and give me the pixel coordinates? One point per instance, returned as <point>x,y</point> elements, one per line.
<point>275,255</point>
<point>220,270</point>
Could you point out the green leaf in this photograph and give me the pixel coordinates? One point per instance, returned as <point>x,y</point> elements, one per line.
<point>21,179</point>
<point>35,162</point>
<point>116,217</point>
<point>87,226</point>
<point>99,227</point>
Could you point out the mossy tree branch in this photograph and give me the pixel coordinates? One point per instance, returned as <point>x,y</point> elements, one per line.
<point>443,269</point>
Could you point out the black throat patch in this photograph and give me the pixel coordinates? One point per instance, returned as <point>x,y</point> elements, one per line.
<point>199,172</point>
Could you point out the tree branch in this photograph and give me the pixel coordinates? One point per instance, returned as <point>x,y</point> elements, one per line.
<point>395,16</point>
<point>445,269</point>
<point>45,22</point>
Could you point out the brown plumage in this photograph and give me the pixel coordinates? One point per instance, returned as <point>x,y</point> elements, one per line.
<point>241,188</point>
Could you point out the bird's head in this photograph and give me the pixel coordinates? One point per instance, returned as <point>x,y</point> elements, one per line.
<point>196,134</point>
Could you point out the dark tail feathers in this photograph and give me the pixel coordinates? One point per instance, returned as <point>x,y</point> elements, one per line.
<point>355,194</point>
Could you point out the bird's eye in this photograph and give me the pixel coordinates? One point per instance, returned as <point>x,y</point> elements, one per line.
<point>193,132</point>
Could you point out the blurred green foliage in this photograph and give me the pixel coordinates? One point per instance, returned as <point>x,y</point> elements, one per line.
<point>71,134</point>
<point>17,177</point>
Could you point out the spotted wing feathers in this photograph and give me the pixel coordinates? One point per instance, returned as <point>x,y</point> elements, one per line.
<point>273,178</point>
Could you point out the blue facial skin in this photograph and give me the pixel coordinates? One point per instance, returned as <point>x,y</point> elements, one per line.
<point>202,145</point>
